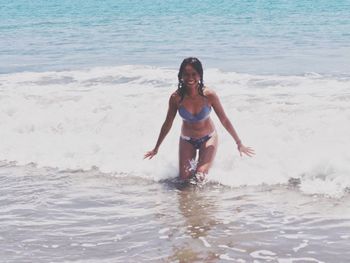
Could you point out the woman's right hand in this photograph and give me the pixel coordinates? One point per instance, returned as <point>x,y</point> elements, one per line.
<point>150,154</point>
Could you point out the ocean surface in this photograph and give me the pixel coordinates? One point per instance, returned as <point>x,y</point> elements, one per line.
<point>287,37</point>
<point>84,88</point>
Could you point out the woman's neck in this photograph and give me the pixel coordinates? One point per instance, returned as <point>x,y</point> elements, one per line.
<point>192,92</point>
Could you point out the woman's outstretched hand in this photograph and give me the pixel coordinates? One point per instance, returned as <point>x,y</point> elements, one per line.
<point>150,154</point>
<point>246,150</point>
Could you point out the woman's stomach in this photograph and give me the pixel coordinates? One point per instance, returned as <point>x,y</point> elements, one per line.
<point>197,129</point>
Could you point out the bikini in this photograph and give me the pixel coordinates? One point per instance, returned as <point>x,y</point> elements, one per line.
<point>193,118</point>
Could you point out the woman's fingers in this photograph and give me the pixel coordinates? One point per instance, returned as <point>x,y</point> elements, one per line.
<point>250,152</point>
<point>149,155</point>
<point>246,150</point>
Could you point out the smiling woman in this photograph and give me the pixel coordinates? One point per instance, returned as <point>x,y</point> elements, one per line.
<point>194,101</point>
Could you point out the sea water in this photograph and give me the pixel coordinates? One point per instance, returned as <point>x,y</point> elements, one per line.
<point>84,89</point>
<point>289,37</point>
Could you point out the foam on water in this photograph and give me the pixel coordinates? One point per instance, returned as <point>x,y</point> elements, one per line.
<point>108,117</point>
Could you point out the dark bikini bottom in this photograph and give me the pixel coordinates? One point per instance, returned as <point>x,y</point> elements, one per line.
<point>197,142</point>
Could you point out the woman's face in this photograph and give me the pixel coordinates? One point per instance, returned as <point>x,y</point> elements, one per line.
<point>190,77</point>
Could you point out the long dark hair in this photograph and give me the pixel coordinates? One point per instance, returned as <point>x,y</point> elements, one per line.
<point>197,65</point>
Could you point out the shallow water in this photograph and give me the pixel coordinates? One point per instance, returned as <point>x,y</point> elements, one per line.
<point>87,216</point>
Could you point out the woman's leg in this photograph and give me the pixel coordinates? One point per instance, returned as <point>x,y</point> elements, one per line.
<point>186,153</point>
<point>206,155</point>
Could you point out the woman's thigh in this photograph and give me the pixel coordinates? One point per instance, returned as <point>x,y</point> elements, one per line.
<point>186,154</point>
<point>207,154</point>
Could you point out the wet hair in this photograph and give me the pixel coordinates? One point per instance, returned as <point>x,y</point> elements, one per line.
<point>197,65</point>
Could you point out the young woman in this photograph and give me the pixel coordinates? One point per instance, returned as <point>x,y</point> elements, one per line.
<point>194,102</point>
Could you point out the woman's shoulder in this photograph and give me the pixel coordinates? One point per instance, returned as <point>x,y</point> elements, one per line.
<point>175,97</point>
<point>209,93</point>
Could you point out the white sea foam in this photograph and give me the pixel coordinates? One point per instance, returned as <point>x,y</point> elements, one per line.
<point>108,117</point>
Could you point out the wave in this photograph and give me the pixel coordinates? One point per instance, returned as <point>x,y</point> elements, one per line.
<point>108,117</point>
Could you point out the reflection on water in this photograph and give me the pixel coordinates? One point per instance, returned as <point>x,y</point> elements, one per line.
<point>198,210</point>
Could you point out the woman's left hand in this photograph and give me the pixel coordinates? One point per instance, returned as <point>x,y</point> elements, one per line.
<point>150,154</point>
<point>246,150</point>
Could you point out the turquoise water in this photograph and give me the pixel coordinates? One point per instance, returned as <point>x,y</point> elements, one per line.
<point>283,37</point>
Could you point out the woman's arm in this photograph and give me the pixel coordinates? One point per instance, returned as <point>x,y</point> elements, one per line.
<point>219,110</point>
<point>166,125</point>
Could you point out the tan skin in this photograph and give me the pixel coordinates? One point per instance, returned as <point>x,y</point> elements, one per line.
<point>194,102</point>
